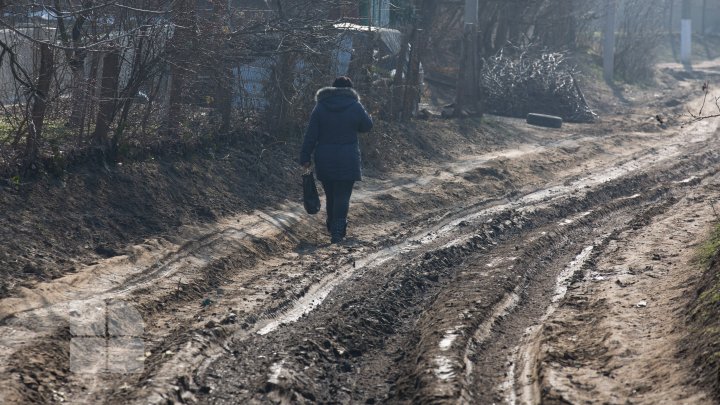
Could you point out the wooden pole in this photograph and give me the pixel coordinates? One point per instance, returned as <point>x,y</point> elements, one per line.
<point>370,14</point>
<point>671,12</point>
<point>466,96</point>
<point>609,42</point>
<point>108,97</point>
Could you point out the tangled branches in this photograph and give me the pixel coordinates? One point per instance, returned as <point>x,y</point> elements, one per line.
<point>517,81</point>
<point>702,115</point>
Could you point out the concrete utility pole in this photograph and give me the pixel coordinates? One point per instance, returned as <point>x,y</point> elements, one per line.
<point>686,32</point>
<point>609,42</point>
<point>467,87</point>
<point>370,14</point>
<point>471,12</point>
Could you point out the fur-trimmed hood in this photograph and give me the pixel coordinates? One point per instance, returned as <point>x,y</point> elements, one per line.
<point>337,98</point>
<point>326,92</point>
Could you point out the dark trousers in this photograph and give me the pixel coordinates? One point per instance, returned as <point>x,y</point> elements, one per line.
<point>338,198</point>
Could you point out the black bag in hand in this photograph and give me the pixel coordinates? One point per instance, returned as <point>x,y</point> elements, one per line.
<point>311,199</point>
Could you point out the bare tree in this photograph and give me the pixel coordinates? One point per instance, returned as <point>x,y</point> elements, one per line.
<point>40,94</point>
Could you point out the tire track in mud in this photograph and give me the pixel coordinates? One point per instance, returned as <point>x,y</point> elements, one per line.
<point>158,300</point>
<point>282,223</point>
<point>538,257</point>
<point>278,323</point>
<point>521,384</point>
<point>522,365</point>
<point>38,338</point>
<point>168,277</point>
<point>177,264</point>
<point>296,383</point>
<point>637,289</point>
<point>525,355</point>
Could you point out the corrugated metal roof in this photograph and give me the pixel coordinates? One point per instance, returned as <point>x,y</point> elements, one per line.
<point>390,37</point>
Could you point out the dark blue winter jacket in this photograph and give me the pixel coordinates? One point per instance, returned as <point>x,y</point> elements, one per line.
<point>333,134</point>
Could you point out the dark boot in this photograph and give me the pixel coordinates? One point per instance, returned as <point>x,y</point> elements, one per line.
<point>339,229</point>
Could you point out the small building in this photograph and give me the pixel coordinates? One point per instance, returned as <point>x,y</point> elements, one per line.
<point>374,13</point>
<point>353,40</point>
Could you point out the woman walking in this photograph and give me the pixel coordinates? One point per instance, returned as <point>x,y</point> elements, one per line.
<point>332,134</point>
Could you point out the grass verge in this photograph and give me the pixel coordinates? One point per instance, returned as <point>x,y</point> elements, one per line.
<point>703,341</point>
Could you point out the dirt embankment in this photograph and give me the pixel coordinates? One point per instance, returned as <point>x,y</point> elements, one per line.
<point>53,226</point>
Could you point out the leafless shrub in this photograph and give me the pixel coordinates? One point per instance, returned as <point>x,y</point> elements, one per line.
<point>518,81</point>
<point>150,74</point>
<point>702,113</point>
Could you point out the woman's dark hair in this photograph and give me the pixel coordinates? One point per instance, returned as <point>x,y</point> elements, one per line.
<point>342,81</point>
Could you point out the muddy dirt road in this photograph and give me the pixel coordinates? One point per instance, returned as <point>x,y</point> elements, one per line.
<point>551,268</point>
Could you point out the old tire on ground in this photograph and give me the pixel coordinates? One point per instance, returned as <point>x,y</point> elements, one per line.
<point>542,120</point>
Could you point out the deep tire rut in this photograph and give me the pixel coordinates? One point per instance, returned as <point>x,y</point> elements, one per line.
<point>398,337</point>
<point>424,311</point>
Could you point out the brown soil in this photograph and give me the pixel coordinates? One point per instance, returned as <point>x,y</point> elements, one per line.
<point>487,262</point>
<point>617,336</point>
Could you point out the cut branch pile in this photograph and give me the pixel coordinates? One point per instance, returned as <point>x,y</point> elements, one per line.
<point>517,82</point>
